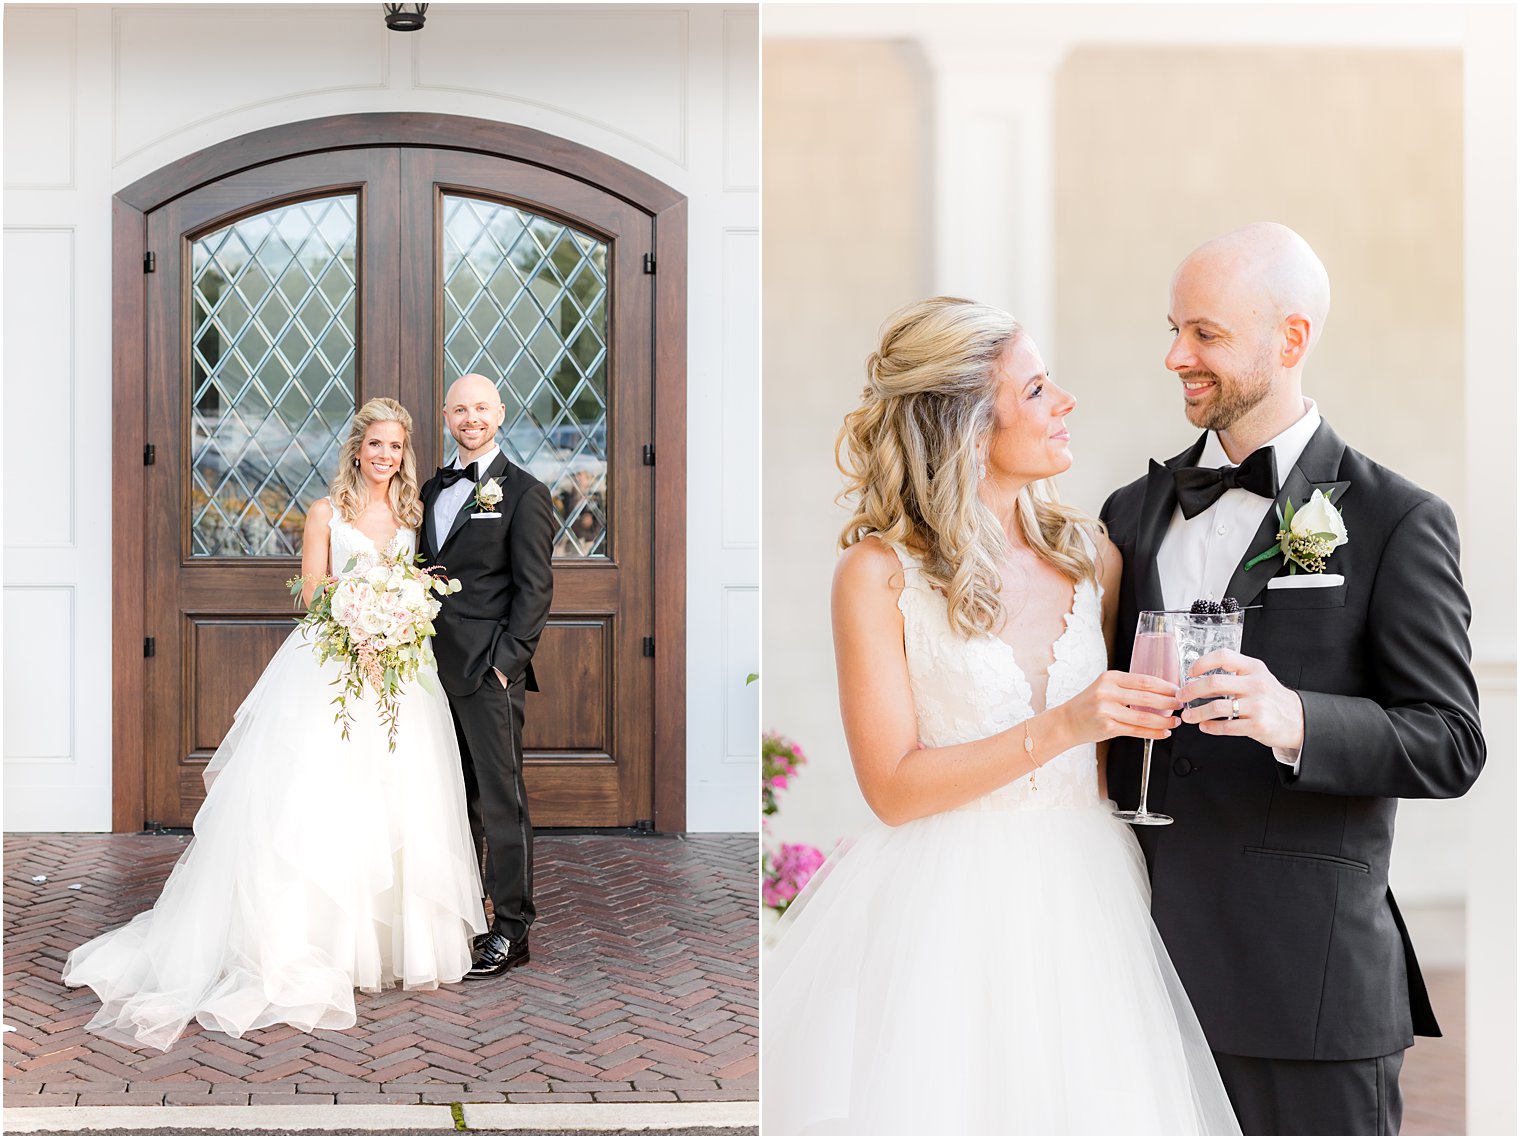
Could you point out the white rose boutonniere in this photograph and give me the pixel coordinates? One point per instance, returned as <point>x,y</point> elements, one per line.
<point>1306,537</point>
<point>487,495</point>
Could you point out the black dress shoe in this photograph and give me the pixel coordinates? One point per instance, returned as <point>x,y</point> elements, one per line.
<point>493,930</point>
<point>495,953</point>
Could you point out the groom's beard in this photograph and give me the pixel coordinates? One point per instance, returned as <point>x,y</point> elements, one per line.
<point>1233,397</point>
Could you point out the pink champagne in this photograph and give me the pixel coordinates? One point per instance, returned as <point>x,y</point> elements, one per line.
<point>1155,655</point>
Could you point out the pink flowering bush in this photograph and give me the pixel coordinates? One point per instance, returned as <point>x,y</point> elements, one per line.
<point>783,873</point>
<point>779,760</point>
<point>788,872</point>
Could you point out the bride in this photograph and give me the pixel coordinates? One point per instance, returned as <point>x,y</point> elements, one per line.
<point>319,866</point>
<point>982,959</point>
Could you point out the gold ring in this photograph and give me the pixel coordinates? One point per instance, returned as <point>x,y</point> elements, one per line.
<point>1234,707</point>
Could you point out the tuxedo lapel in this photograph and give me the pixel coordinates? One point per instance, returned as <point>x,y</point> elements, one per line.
<point>497,468</point>
<point>430,492</point>
<point>1155,516</point>
<point>1315,470</point>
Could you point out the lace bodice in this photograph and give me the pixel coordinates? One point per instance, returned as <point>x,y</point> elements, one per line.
<point>348,541</point>
<point>967,690</point>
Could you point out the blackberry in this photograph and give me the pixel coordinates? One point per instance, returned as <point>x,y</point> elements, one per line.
<point>1229,605</point>
<point>1202,608</point>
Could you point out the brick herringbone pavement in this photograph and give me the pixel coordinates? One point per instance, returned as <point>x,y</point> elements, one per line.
<point>642,987</point>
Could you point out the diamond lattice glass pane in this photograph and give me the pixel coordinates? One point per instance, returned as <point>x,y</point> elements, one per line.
<point>271,374</point>
<point>525,303</point>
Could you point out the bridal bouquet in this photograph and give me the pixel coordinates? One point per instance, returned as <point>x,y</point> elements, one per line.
<point>374,619</point>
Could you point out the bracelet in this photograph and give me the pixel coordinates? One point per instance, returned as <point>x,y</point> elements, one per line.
<point>1029,753</point>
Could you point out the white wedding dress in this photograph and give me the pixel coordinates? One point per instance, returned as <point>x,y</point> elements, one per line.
<point>318,866</point>
<point>991,969</point>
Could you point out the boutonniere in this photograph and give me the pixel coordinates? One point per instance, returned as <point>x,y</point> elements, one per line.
<point>1306,537</point>
<point>487,495</point>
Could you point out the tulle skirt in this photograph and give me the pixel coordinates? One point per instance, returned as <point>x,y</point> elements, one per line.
<point>318,867</point>
<point>983,972</point>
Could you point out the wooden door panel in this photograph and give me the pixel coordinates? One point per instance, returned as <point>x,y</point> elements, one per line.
<point>224,655</point>
<point>571,662</point>
<point>575,795</point>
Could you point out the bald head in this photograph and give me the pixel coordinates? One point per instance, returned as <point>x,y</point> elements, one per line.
<point>1267,269</point>
<point>472,388</point>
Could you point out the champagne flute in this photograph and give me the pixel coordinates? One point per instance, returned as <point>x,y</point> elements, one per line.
<point>1155,655</point>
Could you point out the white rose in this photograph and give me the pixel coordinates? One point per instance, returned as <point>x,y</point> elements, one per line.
<point>340,601</point>
<point>374,621</point>
<point>411,594</point>
<point>348,600</point>
<point>1318,516</point>
<point>378,576</point>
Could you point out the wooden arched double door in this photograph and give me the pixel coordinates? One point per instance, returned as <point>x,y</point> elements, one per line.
<point>277,296</point>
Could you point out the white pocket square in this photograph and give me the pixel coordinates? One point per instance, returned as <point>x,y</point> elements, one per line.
<point>1307,581</point>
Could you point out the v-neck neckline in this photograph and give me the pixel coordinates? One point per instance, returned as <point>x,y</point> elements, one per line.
<point>1013,657</point>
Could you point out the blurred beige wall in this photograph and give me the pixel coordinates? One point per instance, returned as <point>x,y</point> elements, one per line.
<point>1159,149</point>
<point>846,240</point>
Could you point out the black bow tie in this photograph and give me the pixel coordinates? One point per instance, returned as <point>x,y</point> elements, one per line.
<point>451,475</point>
<point>1198,488</point>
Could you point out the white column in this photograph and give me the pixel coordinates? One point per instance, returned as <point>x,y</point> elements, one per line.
<point>1488,101</point>
<point>994,174</point>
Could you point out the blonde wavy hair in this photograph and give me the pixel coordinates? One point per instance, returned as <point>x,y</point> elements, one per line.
<point>910,457</point>
<point>348,491</point>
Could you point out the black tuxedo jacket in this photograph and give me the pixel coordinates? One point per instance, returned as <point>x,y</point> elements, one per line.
<point>1270,889</point>
<point>505,570</point>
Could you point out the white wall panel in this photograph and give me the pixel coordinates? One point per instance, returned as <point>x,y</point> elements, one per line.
<point>39,390</point>
<point>741,658</point>
<point>39,676</point>
<point>177,68</point>
<point>629,67</point>
<point>40,103</point>
<point>740,388</point>
<point>741,100</point>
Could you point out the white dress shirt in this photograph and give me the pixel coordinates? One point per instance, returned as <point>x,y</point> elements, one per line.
<point>451,498</point>
<point>1198,556</point>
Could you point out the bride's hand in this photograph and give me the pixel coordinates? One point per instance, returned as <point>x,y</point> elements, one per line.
<point>1112,706</point>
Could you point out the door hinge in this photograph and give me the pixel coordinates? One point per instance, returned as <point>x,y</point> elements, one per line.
<point>150,647</point>
<point>649,262</point>
<point>649,454</point>
<point>649,646</point>
<point>150,455</point>
<point>150,263</point>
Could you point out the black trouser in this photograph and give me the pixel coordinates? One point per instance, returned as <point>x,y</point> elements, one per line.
<point>1314,1097</point>
<point>489,724</point>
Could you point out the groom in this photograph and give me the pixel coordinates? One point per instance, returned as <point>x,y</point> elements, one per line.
<point>491,525</point>
<point>1353,690</point>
